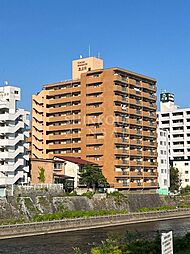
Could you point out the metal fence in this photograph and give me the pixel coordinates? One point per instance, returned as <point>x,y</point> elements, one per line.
<point>34,228</point>
<point>57,186</point>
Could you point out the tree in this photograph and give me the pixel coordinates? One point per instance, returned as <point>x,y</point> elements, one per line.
<point>92,177</point>
<point>186,190</point>
<point>175,182</point>
<point>41,175</point>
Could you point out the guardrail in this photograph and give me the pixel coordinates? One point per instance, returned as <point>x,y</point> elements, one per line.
<point>57,186</point>
<point>37,228</point>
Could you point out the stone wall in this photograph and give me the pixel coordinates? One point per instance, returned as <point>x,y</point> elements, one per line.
<point>27,204</point>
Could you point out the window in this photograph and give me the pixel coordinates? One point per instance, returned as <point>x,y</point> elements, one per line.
<point>16,92</point>
<point>186,172</point>
<point>58,166</point>
<point>186,180</point>
<point>186,164</point>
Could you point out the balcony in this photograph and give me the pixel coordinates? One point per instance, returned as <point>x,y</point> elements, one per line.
<point>94,79</point>
<point>63,91</point>
<point>148,86</point>
<point>121,140</point>
<point>121,130</point>
<point>94,89</point>
<point>135,92</point>
<point>62,117</point>
<point>135,174</point>
<point>120,79</point>
<point>135,163</point>
<point>63,108</point>
<point>135,142</point>
<point>150,185</point>
<point>149,105</point>
<point>123,109</point>
<point>150,174</point>
<point>93,130</point>
<point>94,141</point>
<point>149,154</point>
<point>63,127</point>
<point>135,132</point>
<point>135,153</point>
<point>119,119</point>
<point>122,151</point>
<point>133,121</point>
<point>149,164</point>
<point>119,98</point>
<point>149,134</point>
<point>64,100</point>
<point>121,162</point>
<point>94,99</point>
<point>91,110</point>
<point>63,145</point>
<point>136,185</point>
<point>92,151</point>
<point>123,173</point>
<point>119,88</point>
<point>135,112</point>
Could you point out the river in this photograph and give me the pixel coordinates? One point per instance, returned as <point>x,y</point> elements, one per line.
<point>62,243</point>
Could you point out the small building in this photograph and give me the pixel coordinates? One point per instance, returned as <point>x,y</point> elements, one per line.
<point>60,169</point>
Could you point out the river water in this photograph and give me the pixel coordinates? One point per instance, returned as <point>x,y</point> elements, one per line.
<point>62,243</point>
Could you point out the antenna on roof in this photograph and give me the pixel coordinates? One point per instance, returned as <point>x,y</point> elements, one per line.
<point>80,56</point>
<point>89,50</point>
<point>98,54</point>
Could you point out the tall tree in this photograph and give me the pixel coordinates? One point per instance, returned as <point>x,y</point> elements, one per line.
<point>92,177</point>
<point>175,182</point>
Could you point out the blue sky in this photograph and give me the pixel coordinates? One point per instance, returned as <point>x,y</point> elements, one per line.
<point>39,38</point>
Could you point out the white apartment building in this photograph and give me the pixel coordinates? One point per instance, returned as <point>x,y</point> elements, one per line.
<point>14,126</point>
<point>177,122</point>
<point>163,162</point>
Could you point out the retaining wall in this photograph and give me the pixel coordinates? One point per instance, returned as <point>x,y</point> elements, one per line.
<point>28,229</point>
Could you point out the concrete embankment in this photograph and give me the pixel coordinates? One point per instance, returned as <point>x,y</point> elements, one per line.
<point>39,228</point>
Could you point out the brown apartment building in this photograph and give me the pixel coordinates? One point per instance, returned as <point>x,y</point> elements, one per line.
<point>107,116</point>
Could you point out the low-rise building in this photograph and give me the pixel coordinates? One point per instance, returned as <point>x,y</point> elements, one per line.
<point>60,169</point>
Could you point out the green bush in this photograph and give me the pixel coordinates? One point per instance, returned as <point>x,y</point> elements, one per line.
<point>161,208</point>
<point>75,214</point>
<point>88,194</point>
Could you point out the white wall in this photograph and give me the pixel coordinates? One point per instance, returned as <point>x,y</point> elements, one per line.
<point>163,160</point>
<point>184,172</point>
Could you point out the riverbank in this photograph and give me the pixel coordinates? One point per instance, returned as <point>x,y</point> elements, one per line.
<point>56,226</point>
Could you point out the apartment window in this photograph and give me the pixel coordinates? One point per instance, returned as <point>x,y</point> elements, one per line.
<point>186,172</point>
<point>186,180</point>
<point>165,182</point>
<point>186,164</point>
<point>58,166</point>
<point>162,170</point>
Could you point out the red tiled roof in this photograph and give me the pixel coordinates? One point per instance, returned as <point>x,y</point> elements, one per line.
<point>75,160</point>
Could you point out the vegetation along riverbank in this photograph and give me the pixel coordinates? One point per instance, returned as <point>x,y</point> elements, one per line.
<point>133,244</point>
